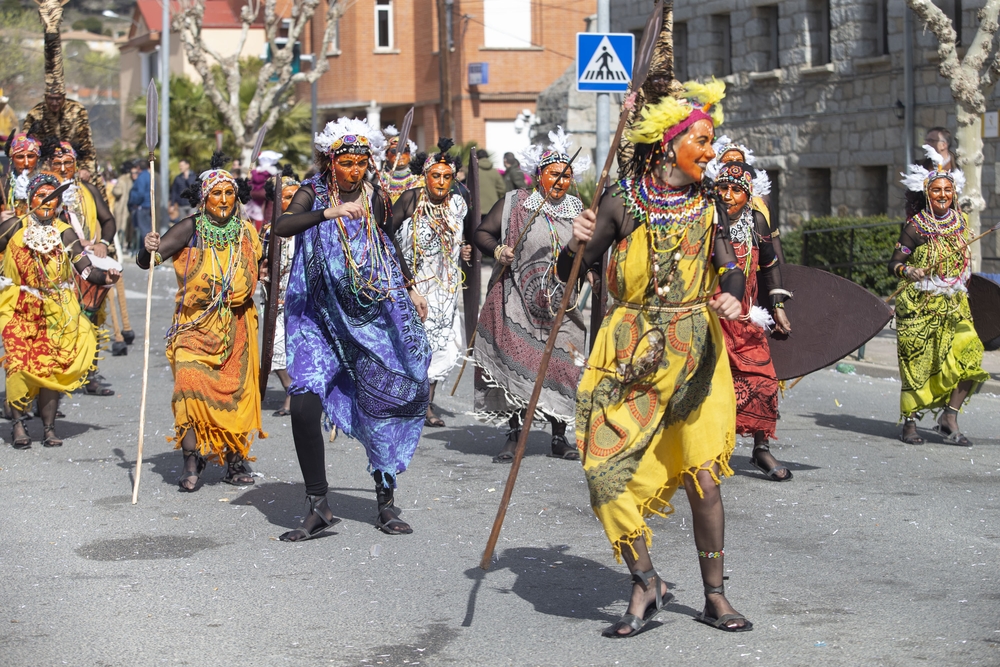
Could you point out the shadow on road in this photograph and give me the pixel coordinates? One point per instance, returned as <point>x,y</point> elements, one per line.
<point>557,583</point>
<point>285,505</point>
<point>880,428</point>
<point>481,440</point>
<point>741,466</point>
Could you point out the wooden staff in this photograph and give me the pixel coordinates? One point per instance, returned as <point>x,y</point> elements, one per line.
<point>472,338</point>
<point>652,30</point>
<point>151,141</point>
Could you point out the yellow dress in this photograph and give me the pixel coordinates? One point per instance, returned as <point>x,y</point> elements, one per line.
<point>212,347</point>
<point>642,426</point>
<point>49,344</point>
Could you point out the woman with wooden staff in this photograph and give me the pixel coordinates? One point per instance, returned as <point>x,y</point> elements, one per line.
<point>49,343</point>
<point>357,351</point>
<point>428,224</point>
<point>396,175</point>
<point>525,232</point>
<point>940,355</point>
<point>746,337</point>
<point>655,407</point>
<point>212,342</point>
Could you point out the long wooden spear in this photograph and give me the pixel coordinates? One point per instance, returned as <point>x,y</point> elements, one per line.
<point>404,137</point>
<point>472,339</point>
<point>643,60</point>
<point>152,102</point>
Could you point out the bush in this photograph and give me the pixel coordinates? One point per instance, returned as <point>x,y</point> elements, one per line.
<point>872,248</point>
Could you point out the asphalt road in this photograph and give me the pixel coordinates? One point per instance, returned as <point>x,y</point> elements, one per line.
<point>875,554</point>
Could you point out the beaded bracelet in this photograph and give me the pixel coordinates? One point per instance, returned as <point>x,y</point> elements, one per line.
<point>711,554</point>
<point>157,259</point>
<point>730,266</point>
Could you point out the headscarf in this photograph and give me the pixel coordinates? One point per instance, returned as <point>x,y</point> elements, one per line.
<point>25,143</point>
<point>739,174</point>
<point>212,177</point>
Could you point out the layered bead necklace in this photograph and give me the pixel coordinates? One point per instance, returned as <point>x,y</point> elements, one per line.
<point>741,234</point>
<point>948,254</point>
<point>375,284</point>
<point>669,215</point>
<point>437,217</point>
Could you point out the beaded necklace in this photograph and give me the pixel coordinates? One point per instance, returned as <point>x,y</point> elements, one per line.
<point>376,284</point>
<point>215,236</point>
<point>930,225</point>
<point>669,215</point>
<point>437,217</point>
<point>741,234</point>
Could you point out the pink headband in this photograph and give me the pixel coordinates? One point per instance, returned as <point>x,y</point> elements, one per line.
<point>695,115</point>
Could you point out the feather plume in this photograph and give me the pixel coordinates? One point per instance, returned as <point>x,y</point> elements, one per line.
<point>219,159</point>
<point>390,131</point>
<point>337,129</point>
<point>761,318</point>
<point>959,177</point>
<point>914,178</point>
<point>933,156</point>
<point>761,183</point>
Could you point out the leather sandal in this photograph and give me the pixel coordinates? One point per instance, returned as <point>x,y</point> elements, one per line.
<point>951,437</point>
<point>775,472</point>
<point>722,622</point>
<point>51,439</point>
<point>506,454</point>
<point>202,462</point>
<point>24,442</point>
<point>238,473</point>
<point>631,621</point>
<point>316,506</point>
<point>561,449</point>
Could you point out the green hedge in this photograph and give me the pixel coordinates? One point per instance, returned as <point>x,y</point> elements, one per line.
<point>874,244</point>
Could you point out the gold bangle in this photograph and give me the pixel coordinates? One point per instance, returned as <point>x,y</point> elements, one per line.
<point>157,259</point>
<point>498,251</point>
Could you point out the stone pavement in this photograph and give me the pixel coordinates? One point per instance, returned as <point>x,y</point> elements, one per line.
<point>876,553</point>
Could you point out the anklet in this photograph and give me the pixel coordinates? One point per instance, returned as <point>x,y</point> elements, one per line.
<point>711,554</point>
<point>948,407</point>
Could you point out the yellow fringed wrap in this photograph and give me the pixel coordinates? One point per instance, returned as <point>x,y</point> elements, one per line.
<point>656,119</point>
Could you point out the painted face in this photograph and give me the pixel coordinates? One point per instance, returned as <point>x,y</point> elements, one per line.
<point>693,149</point>
<point>24,161</point>
<point>221,201</point>
<point>732,155</point>
<point>439,180</point>
<point>287,193</point>
<point>734,197</point>
<point>941,194</point>
<point>349,170</point>
<point>549,180</point>
<point>64,166</point>
<point>48,210</point>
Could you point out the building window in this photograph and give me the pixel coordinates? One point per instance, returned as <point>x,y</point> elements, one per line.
<point>817,191</point>
<point>383,24</point>
<point>680,51</point>
<point>875,181</point>
<point>507,24</point>
<point>769,16</point>
<point>882,27</point>
<point>333,49</point>
<point>723,43</point>
<point>953,10</point>
<point>149,63</point>
<point>817,32</point>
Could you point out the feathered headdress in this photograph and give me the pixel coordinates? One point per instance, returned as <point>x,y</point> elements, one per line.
<point>534,158</point>
<point>350,135</point>
<point>666,119</point>
<point>425,162</point>
<point>918,178</point>
<point>723,145</point>
<point>392,140</point>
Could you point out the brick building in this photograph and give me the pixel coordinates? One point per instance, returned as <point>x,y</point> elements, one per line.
<point>817,89</point>
<point>385,60</point>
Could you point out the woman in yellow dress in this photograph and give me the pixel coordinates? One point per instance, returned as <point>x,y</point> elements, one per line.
<point>212,344</point>
<point>940,355</point>
<point>655,407</point>
<point>49,343</point>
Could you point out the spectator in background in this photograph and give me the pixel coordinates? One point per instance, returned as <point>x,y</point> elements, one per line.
<point>138,202</point>
<point>237,169</point>
<point>491,185</point>
<point>513,177</point>
<point>182,182</point>
<point>121,191</point>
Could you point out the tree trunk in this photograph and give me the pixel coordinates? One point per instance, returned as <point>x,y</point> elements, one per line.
<point>970,161</point>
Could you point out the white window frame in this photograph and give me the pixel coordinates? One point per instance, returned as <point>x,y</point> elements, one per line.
<point>387,8</point>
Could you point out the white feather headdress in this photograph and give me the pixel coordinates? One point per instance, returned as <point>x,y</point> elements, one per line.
<point>917,178</point>
<point>722,145</point>
<point>534,157</point>
<point>339,133</point>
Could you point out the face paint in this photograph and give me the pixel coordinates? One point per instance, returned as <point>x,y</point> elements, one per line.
<point>64,166</point>
<point>732,155</point>
<point>48,210</point>
<point>221,201</point>
<point>439,179</point>
<point>734,197</point>
<point>693,149</point>
<point>549,180</point>
<point>287,193</point>
<point>349,171</point>
<point>941,194</point>
<point>24,161</point>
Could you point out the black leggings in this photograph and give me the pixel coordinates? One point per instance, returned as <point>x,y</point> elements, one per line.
<point>307,431</point>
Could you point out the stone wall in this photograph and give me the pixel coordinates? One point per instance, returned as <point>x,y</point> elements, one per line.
<point>825,123</point>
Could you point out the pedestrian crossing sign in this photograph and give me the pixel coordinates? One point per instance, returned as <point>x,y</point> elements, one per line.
<point>604,61</point>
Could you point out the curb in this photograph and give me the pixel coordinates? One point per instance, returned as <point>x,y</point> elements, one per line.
<point>892,372</point>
